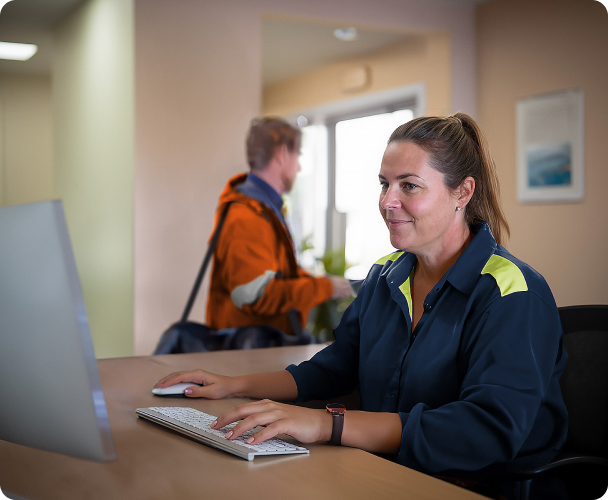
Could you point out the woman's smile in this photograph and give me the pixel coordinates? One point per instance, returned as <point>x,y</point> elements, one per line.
<point>396,222</point>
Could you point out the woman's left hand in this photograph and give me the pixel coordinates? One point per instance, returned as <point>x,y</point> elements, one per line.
<point>304,424</point>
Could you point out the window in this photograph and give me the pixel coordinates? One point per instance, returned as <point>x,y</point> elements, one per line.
<point>360,144</point>
<point>334,203</point>
<point>307,203</point>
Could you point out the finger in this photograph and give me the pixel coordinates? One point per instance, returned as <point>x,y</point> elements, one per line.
<point>195,376</point>
<point>211,391</point>
<point>171,379</point>
<point>256,420</point>
<point>268,432</point>
<point>163,380</point>
<point>242,411</point>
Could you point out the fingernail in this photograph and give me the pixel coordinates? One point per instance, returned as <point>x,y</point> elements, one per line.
<point>228,434</point>
<point>250,440</point>
<point>188,391</point>
<point>214,424</point>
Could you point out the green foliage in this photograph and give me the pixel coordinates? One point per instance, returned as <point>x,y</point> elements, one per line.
<point>306,243</point>
<point>326,316</point>
<point>334,262</point>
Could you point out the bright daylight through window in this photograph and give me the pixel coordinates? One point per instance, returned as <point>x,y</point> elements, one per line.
<point>360,144</point>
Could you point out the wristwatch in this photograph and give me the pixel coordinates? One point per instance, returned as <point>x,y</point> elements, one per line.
<point>337,413</point>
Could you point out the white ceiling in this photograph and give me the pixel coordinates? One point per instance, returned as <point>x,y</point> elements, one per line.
<point>289,47</point>
<point>30,21</point>
<point>293,47</point>
<point>35,13</point>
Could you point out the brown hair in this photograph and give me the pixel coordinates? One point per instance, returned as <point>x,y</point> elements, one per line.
<point>265,136</point>
<point>458,149</point>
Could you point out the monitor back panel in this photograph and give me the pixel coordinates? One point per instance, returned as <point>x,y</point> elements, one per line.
<point>49,383</point>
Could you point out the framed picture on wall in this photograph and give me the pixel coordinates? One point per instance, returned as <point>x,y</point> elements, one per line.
<point>550,149</point>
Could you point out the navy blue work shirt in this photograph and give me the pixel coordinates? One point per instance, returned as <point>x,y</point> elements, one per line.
<point>476,384</point>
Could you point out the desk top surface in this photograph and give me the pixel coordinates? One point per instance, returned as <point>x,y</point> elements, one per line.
<point>156,463</point>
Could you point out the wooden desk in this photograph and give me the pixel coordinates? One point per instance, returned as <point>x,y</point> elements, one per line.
<point>155,463</point>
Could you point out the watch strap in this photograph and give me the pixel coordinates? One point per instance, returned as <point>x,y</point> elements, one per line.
<point>337,416</point>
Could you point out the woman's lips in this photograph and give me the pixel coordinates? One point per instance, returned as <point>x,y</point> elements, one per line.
<point>397,222</point>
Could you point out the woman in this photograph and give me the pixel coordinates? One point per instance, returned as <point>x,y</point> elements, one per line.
<point>454,344</point>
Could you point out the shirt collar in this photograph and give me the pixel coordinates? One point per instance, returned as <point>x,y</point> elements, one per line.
<point>465,272</point>
<point>275,197</point>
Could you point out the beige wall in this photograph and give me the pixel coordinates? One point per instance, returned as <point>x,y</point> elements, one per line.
<point>421,58</point>
<point>94,123</point>
<point>198,83</point>
<point>26,139</point>
<point>531,47</point>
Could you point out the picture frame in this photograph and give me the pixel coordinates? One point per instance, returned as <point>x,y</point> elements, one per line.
<point>550,147</point>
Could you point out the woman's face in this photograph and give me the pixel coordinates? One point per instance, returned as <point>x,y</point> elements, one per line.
<point>419,211</point>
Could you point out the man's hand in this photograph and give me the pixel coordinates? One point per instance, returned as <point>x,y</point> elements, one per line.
<point>341,287</point>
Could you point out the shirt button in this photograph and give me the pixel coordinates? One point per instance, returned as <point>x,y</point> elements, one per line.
<point>428,307</point>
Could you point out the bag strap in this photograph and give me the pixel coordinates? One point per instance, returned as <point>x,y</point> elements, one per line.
<point>201,273</point>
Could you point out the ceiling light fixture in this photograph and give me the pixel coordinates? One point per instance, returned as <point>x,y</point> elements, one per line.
<point>346,34</point>
<point>17,51</point>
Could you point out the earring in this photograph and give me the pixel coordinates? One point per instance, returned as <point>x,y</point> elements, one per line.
<point>458,209</point>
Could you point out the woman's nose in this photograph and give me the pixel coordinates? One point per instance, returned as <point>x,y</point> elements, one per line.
<point>389,200</point>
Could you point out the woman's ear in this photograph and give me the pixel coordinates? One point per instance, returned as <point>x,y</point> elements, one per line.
<point>465,191</point>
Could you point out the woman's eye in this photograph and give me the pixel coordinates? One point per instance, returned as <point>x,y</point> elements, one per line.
<point>384,186</point>
<point>408,186</point>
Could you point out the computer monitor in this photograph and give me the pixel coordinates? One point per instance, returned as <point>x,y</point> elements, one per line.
<point>50,391</point>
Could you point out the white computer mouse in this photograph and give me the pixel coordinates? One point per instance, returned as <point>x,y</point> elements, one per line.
<point>173,389</point>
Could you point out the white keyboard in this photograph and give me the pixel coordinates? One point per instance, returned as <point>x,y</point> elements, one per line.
<point>196,424</point>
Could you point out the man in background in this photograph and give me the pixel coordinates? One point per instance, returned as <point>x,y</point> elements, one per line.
<point>256,279</point>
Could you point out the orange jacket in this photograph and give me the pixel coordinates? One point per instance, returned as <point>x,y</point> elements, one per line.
<point>255,278</point>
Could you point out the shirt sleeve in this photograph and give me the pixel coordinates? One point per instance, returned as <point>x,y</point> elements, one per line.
<point>249,249</point>
<point>333,371</point>
<point>511,359</point>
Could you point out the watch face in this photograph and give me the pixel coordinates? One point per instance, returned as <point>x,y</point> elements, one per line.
<point>336,408</point>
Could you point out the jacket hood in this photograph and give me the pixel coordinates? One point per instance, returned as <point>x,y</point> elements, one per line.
<point>230,193</point>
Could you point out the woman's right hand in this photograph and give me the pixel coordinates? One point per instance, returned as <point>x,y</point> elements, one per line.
<point>212,386</point>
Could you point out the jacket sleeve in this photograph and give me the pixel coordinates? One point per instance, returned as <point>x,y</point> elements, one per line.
<point>511,360</point>
<point>250,253</point>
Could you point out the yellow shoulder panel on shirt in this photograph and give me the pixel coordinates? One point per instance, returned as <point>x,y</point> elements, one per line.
<point>393,256</point>
<point>508,276</point>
